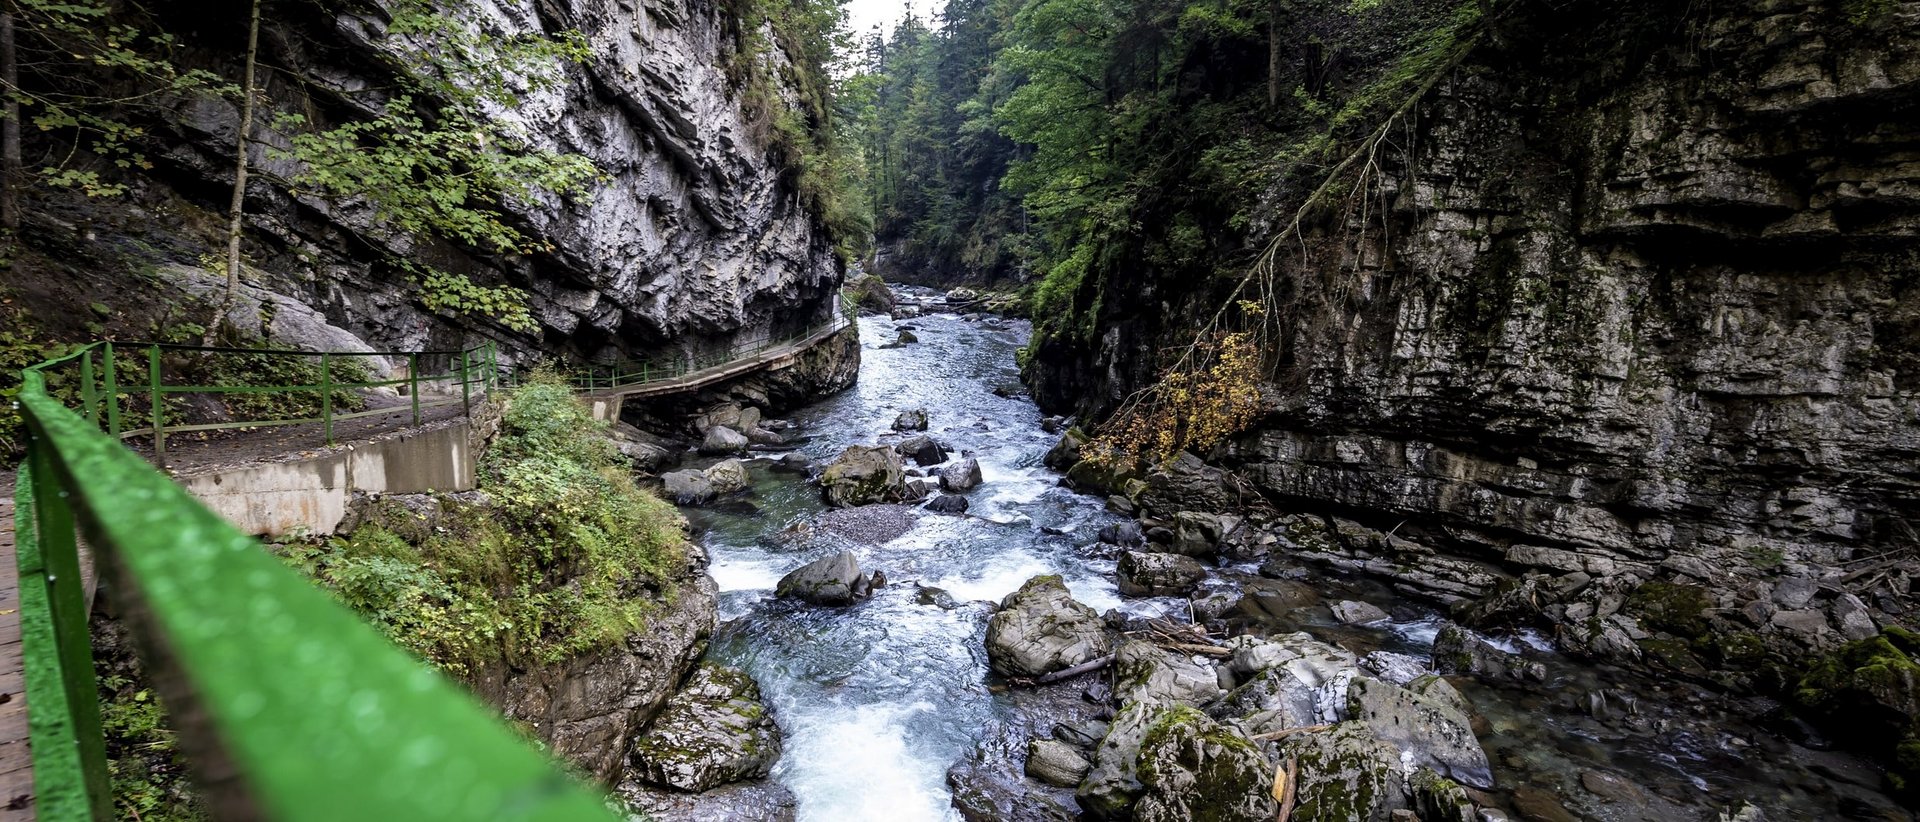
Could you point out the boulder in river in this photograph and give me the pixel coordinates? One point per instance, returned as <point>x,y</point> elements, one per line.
<point>961,477</point>
<point>762,436</point>
<point>723,440</point>
<point>911,420</point>
<point>864,474</point>
<point>760,800</point>
<point>922,449</point>
<point>1428,721</point>
<point>1040,629</point>
<point>1066,452</point>
<point>728,476</point>
<point>1056,763</point>
<point>1191,768</point>
<point>948,504</point>
<point>696,487</point>
<point>828,581</point>
<point>794,463</point>
<point>1355,612</point>
<point>1125,533</point>
<point>687,487</point>
<point>1144,574</point>
<point>1199,534</point>
<point>1149,673</point>
<point>1457,650</point>
<point>715,730</point>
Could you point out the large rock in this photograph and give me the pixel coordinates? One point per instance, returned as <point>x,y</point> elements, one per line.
<point>1066,452</point>
<point>1040,629</point>
<point>914,419</point>
<point>862,475</point>
<point>829,581</point>
<point>922,449</point>
<point>1428,721</point>
<point>1200,534</point>
<point>715,730</point>
<point>694,487</point>
<point>761,800</point>
<point>648,452</point>
<point>588,708</point>
<point>687,487</point>
<point>1113,783</point>
<point>948,504</point>
<point>1144,574</point>
<point>1145,672</point>
<point>723,440</point>
<point>961,476</point>
<point>729,476</point>
<point>1457,650</point>
<point>1056,763</point>
<point>1193,769</point>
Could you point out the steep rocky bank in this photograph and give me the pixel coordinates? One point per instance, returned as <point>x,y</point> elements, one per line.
<point>1639,314</point>
<point>695,239</point>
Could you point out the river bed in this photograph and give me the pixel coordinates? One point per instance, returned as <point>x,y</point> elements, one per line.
<point>879,699</point>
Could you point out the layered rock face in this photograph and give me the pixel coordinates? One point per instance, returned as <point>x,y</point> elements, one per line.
<point>1648,313</point>
<point>694,241</point>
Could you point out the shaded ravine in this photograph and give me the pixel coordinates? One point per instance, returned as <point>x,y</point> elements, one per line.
<point>878,700</point>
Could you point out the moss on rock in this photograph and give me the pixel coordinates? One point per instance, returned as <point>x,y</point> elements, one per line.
<point>1677,608</point>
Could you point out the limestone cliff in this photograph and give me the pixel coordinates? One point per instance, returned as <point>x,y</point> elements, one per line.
<point>1636,301</point>
<point>696,239</point>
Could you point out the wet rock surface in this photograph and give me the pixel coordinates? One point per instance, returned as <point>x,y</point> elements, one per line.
<point>714,731</point>
<point>1040,629</point>
<point>864,474</point>
<point>830,580</point>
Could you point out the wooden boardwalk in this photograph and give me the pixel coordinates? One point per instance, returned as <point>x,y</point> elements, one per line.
<point>16,765</point>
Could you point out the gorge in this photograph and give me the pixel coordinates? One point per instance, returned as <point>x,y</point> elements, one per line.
<point>1309,409</point>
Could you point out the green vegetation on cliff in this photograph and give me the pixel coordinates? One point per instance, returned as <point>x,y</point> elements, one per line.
<point>560,556</point>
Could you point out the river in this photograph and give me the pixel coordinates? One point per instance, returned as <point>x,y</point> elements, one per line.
<point>878,700</point>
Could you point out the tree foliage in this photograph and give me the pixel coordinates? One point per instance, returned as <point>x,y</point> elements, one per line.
<point>1150,144</point>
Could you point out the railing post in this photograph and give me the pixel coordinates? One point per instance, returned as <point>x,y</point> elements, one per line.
<point>466,388</point>
<point>326,394</point>
<point>413,383</point>
<point>113,394</point>
<point>89,395</point>
<point>69,750</point>
<point>159,406</point>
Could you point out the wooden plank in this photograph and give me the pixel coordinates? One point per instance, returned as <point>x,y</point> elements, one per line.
<point>16,759</point>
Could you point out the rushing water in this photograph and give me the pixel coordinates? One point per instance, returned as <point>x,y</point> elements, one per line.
<point>878,700</point>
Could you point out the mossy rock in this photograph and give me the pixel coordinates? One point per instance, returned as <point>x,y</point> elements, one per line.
<point>1869,690</point>
<point>1196,769</point>
<point>1675,607</point>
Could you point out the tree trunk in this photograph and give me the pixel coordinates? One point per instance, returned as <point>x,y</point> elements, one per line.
<point>1273,54</point>
<point>10,127</point>
<point>237,209</point>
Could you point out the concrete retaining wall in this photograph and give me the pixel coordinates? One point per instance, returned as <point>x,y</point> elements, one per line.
<point>312,494</point>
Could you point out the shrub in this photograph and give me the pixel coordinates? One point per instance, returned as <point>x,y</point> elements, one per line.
<point>565,556</point>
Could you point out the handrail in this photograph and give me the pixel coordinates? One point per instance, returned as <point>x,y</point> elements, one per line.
<point>635,373</point>
<point>100,389</point>
<point>292,707</point>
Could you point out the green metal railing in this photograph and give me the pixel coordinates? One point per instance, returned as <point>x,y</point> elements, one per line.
<point>290,705</point>
<point>98,369</point>
<point>638,373</point>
